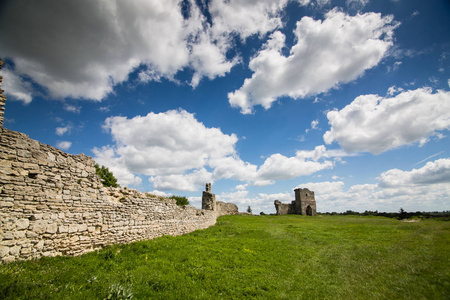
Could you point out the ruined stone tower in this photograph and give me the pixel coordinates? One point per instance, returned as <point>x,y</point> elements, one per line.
<point>208,199</point>
<point>304,204</point>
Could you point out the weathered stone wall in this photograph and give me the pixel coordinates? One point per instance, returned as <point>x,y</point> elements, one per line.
<point>53,203</point>
<point>284,209</point>
<point>223,208</point>
<point>2,97</point>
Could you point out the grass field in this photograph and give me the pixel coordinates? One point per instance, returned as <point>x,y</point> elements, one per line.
<point>263,257</point>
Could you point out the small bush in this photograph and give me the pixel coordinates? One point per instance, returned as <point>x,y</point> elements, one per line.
<point>181,200</point>
<point>107,176</point>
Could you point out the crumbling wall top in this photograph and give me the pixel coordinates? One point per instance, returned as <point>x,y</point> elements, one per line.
<point>2,96</point>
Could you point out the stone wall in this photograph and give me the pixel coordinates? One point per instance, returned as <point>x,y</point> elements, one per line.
<point>2,97</point>
<point>284,209</point>
<point>223,208</point>
<point>53,203</point>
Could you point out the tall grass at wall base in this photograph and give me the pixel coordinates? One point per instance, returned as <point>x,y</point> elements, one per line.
<point>254,257</point>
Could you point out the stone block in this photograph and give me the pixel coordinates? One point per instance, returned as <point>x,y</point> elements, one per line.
<point>26,251</point>
<point>8,259</point>
<point>19,235</point>
<point>4,251</point>
<point>24,153</point>
<point>63,229</point>
<point>82,227</point>
<point>30,166</point>
<point>5,203</point>
<point>39,226</point>
<point>7,243</point>
<point>36,217</point>
<point>22,224</point>
<point>15,250</point>
<point>51,228</point>
<point>9,235</point>
<point>49,254</point>
<point>50,157</point>
<point>73,228</point>
<point>31,234</point>
<point>60,159</point>
<point>39,245</point>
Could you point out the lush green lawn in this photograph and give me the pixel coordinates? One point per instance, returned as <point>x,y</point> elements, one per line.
<point>265,257</point>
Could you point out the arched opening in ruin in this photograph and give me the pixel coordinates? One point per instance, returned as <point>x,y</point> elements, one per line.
<point>309,210</point>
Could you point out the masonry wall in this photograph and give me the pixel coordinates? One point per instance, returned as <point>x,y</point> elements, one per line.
<point>53,203</point>
<point>223,208</point>
<point>284,209</point>
<point>2,96</point>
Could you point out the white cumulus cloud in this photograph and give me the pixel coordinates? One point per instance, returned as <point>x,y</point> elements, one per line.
<point>64,145</point>
<point>180,153</point>
<point>434,172</point>
<point>280,167</point>
<point>336,50</point>
<point>172,147</point>
<point>62,130</point>
<point>182,182</point>
<point>15,87</point>
<point>83,49</point>
<point>376,124</point>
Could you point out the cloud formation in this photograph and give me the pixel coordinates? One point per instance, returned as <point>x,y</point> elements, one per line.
<point>64,145</point>
<point>326,53</point>
<point>434,172</point>
<point>164,144</point>
<point>82,49</point>
<point>424,187</point>
<point>180,153</point>
<point>16,87</point>
<point>375,124</point>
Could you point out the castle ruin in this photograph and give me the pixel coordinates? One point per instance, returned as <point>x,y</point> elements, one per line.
<point>218,207</point>
<point>304,204</point>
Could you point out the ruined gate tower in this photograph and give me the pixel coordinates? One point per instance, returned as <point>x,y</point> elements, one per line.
<point>304,204</point>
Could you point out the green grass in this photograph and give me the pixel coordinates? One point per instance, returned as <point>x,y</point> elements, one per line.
<point>262,257</point>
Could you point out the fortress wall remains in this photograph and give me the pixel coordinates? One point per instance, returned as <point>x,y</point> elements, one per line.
<point>223,208</point>
<point>2,96</point>
<point>53,203</point>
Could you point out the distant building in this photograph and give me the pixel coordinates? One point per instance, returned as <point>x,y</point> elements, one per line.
<point>304,204</point>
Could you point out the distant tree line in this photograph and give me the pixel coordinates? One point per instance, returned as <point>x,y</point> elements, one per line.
<point>401,214</point>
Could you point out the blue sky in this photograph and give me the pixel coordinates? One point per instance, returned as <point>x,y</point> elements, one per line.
<point>350,98</point>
